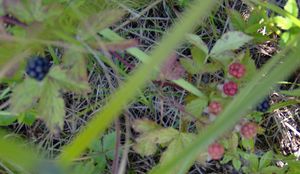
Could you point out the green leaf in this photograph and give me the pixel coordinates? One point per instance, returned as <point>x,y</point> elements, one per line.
<point>76,66</point>
<point>177,145</point>
<point>6,118</point>
<point>27,118</point>
<point>295,92</point>
<point>249,65</point>
<point>146,143</point>
<point>195,107</point>
<point>199,56</point>
<point>266,160</point>
<point>283,23</point>
<point>51,106</point>
<point>234,141</point>
<point>272,169</point>
<point>236,164</point>
<point>190,66</point>
<point>230,41</point>
<point>144,147</point>
<point>253,162</point>
<point>226,159</point>
<point>25,95</point>
<point>248,143</point>
<point>198,42</point>
<point>86,168</point>
<point>237,20</point>
<point>144,125</point>
<point>292,7</point>
<point>109,141</point>
<point>61,77</point>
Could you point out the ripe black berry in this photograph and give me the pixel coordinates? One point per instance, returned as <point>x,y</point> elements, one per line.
<point>37,68</point>
<point>206,78</point>
<point>263,106</point>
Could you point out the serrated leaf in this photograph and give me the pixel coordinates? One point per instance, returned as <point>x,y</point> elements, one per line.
<point>248,144</point>
<point>146,143</point>
<point>237,20</point>
<point>230,41</point>
<point>195,107</point>
<point>256,16</point>
<point>226,159</point>
<point>198,42</point>
<point>292,7</point>
<point>109,141</point>
<point>283,23</point>
<point>265,160</point>
<point>176,146</point>
<point>295,92</point>
<point>61,77</point>
<point>236,164</point>
<point>144,125</point>
<point>144,147</point>
<point>25,95</point>
<point>52,106</point>
<point>234,141</point>
<point>253,162</point>
<point>86,168</point>
<point>190,66</point>
<point>249,64</point>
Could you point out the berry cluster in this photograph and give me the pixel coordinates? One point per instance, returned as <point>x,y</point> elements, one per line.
<point>263,106</point>
<point>215,151</point>
<point>230,88</point>
<point>237,70</point>
<point>249,130</point>
<point>38,67</point>
<point>214,107</point>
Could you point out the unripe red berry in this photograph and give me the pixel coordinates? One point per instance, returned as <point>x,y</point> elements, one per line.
<point>249,130</point>
<point>230,88</point>
<point>214,107</point>
<point>237,70</point>
<point>215,151</point>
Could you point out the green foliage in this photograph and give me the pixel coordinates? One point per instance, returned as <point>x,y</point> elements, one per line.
<point>257,20</point>
<point>153,135</point>
<point>229,41</point>
<point>286,23</point>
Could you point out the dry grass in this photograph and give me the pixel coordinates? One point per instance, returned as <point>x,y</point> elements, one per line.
<point>161,103</point>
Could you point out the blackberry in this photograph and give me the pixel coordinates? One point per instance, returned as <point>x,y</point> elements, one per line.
<point>206,78</point>
<point>37,67</point>
<point>263,106</point>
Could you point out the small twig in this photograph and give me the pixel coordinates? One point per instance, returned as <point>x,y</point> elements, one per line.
<point>126,146</point>
<point>117,147</point>
<point>138,15</point>
<point>292,128</point>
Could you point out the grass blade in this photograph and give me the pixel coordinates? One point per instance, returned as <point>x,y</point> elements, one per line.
<point>138,80</point>
<point>276,69</point>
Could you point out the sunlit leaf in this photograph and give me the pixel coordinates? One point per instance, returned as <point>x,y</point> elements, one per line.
<point>230,41</point>
<point>25,95</point>
<point>292,7</point>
